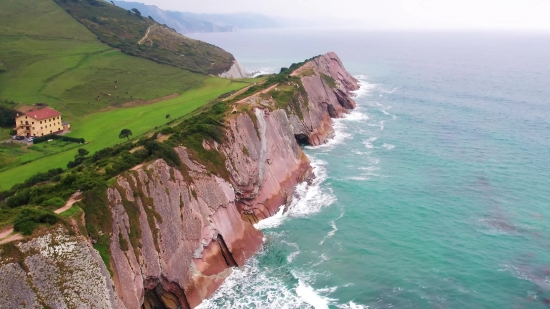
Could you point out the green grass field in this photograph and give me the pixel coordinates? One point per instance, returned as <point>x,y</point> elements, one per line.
<point>49,57</point>
<point>101,129</point>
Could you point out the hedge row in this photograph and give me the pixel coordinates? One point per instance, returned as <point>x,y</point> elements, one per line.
<point>41,139</point>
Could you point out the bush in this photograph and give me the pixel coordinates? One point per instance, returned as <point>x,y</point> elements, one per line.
<point>29,218</point>
<point>41,139</point>
<point>167,130</point>
<point>21,198</point>
<point>7,117</point>
<point>55,201</point>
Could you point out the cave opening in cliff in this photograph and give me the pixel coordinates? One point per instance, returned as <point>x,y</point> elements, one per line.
<point>302,139</point>
<point>157,297</point>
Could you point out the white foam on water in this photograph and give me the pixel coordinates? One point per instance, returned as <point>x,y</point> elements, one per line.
<point>292,255</point>
<point>253,287</point>
<point>310,296</point>
<point>382,125</point>
<point>311,199</point>
<point>273,221</point>
<point>264,71</point>
<point>334,229</point>
<point>364,87</point>
<point>352,305</point>
<point>388,146</point>
<point>356,116</point>
<point>307,199</point>
<point>368,142</point>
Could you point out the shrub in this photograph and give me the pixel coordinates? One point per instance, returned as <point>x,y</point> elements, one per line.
<point>41,139</point>
<point>21,198</point>
<point>29,218</point>
<point>167,130</point>
<point>55,201</point>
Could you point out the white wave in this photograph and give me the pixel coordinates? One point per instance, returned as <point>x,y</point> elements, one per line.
<point>388,146</point>
<point>311,199</point>
<point>368,142</point>
<point>253,287</point>
<point>310,296</point>
<point>292,255</point>
<point>340,135</point>
<point>307,199</point>
<point>382,125</point>
<point>273,221</point>
<point>263,71</point>
<point>364,88</point>
<point>356,116</point>
<point>334,229</point>
<point>374,160</point>
<point>352,305</point>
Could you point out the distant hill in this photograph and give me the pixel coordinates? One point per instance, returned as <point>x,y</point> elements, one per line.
<point>136,34</point>
<point>186,22</point>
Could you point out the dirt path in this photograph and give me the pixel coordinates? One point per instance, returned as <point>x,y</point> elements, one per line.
<point>69,204</point>
<point>145,36</point>
<point>7,235</point>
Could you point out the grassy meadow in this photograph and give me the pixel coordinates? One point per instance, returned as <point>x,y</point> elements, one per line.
<point>101,129</point>
<point>47,56</point>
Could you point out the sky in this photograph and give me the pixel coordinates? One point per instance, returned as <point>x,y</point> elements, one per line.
<point>387,14</point>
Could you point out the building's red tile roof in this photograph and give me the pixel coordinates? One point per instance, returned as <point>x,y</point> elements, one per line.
<point>44,113</point>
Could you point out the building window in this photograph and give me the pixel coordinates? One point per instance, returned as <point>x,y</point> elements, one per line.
<point>40,121</point>
<point>33,122</point>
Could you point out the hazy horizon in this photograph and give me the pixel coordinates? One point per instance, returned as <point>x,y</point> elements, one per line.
<point>517,15</point>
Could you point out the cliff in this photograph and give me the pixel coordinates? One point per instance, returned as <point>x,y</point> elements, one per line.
<point>178,230</point>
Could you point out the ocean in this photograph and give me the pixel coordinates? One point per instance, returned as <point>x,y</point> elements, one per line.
<point>435,191</point>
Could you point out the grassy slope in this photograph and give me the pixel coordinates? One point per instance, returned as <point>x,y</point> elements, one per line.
<point>49,57</point>
<point>102,129</point>
<point>122,29</point>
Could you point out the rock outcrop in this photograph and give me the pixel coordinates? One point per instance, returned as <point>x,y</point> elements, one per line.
<point>178,230</point>
<point>236,71</point>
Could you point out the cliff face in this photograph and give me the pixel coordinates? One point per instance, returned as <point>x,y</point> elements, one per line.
<point>177,231</point>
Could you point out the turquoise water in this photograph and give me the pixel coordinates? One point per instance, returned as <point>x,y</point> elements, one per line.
<point>434,192</point>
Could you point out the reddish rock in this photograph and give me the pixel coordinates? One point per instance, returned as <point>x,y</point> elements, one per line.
<point>193,229</point>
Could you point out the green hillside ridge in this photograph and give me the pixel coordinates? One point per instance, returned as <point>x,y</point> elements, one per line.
<point>141,36</point>
<point>47,56</point>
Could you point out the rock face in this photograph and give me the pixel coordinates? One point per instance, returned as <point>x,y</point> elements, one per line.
<point>55,271</point>
<point>236,71</point>
<point>329,97</point>
<point>178,231</point>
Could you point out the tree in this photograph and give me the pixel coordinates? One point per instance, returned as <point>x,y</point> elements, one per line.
<point>169,117</point>
<point>125,133</point>
<point>136,11</point>
<point>151,18</point>
<point>82,152</point>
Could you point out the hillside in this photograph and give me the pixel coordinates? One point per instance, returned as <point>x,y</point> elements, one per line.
<point>141,36</point>
<point>47,56</point>
<point>50,57</point>
<point>187,22</point>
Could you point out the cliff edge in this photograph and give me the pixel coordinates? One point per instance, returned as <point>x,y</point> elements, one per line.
<point>177,230</point>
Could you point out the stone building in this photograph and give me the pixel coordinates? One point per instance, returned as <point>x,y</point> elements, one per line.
<point>33,121</point>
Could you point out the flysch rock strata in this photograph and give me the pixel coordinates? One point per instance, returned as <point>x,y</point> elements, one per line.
<point>193,226</point>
